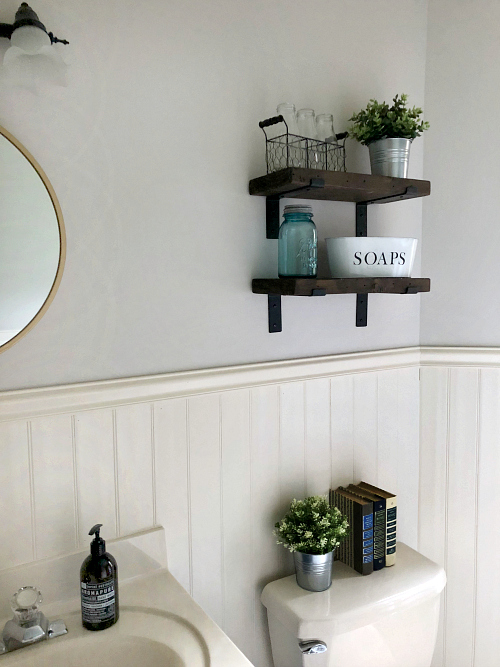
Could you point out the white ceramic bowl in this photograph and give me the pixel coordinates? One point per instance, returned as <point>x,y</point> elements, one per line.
<point>371,256</point>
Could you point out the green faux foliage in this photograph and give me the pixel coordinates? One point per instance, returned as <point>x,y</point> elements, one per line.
<point>311,526</point>
<point>380,121</point>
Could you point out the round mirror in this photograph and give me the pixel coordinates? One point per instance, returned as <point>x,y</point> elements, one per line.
<point>32,241</point>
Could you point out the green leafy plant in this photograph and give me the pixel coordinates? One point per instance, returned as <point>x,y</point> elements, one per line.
<point>311,526</point>
<point>380,121</point>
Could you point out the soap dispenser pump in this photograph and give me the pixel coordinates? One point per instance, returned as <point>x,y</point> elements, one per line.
<point>99,585</point>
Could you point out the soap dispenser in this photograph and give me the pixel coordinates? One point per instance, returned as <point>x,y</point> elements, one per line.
<point>99,585</point>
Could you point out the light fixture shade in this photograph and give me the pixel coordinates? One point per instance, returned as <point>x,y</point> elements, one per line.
<point>22,69</point>
<point>30,39</point>
<point>31,56</point>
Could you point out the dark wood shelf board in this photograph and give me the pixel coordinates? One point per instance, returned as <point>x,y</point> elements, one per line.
<point>305,286</point>
<point>339,186</point>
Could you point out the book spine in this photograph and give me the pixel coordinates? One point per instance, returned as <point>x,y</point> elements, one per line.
<point>341,507</point>
<point>379,534</point>
<point>364,550</point>
<point>346,546</point>
<point>379,521</point>
<point>356,550</point>
<point>391,520</point>
<point>349,509</point>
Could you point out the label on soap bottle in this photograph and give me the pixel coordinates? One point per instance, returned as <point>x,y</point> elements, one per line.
<point>98,602</point>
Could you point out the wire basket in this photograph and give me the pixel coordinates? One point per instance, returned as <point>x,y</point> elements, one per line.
<point>290,150</point>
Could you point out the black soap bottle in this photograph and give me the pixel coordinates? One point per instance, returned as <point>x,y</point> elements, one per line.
<point>99,585</point>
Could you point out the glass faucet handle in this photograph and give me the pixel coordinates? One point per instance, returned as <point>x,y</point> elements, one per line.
<point>25,603</point>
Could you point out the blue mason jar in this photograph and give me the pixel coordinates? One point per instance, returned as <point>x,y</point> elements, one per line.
<point>297,244</point>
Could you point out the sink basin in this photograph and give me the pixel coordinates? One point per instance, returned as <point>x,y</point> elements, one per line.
<point>141,637</point>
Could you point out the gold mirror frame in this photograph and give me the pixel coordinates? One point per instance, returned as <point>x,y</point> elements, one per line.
<point>62,240</point>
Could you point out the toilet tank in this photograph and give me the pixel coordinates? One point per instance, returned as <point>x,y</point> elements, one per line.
<point>387,619</point>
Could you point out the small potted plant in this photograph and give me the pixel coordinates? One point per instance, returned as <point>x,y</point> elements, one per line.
<point>388,132</point>
<point>312,530</point>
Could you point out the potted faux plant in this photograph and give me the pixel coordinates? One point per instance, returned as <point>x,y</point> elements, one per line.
<point>388,132</point>
<point>312,530</point>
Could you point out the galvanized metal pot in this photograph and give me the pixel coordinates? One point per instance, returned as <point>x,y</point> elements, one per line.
<point>390,157</point>
<point>314,573</point>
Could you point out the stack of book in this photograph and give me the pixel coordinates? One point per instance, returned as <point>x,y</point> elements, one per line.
<point>371,512</point>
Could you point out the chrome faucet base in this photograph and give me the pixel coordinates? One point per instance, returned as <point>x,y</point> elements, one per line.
<point>29,625</point>
<point>57,629</point>
<point>15,636</point>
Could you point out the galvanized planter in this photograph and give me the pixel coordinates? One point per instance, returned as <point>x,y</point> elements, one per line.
<point>314,573</point>
<point>390,157</point>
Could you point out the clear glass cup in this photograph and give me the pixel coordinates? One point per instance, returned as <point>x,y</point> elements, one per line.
<point>324,127</point>
<point>287,110</point>
<point>306,121</point>
<point>298,243</point>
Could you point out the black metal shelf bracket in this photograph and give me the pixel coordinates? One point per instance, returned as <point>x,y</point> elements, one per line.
<point>361,310</point>
<point>274,312</point>
<point>410,191</point>
<point>361,230</point>
<point>274,308</point>
<point>273,206</point>
<point>361,219</point>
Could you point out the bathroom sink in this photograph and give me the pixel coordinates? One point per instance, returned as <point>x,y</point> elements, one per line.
<point>141,637</point>
<point>160,624</point>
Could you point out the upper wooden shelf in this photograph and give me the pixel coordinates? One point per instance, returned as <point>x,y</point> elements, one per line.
<point>338,186</point>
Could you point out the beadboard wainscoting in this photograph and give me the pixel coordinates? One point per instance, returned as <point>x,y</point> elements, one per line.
<point>459,497</point>
<point>213,456</point>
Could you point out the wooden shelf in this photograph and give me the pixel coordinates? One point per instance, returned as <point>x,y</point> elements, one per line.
<point>318,287</point>
<point>361,189</point>
<point>338,186</point>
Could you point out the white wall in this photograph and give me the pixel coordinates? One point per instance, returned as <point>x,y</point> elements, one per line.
<point>460,391</point>
<point>459,494</point>
<point>460,394</point>
<point>461,230</point>
<point>214,457</point>
<point>150,148</point>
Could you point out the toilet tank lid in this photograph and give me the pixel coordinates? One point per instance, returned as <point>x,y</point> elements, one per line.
<point>353,600</point>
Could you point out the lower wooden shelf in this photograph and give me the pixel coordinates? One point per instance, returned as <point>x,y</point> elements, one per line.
<point>320,286</point>
<point>275,288</point>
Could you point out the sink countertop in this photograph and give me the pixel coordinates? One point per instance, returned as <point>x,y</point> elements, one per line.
<point>153,606</point>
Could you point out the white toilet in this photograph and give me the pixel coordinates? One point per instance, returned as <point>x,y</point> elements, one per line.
<point>387,619</point>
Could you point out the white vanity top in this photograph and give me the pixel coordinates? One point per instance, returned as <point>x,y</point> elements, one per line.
<point>160,623</point>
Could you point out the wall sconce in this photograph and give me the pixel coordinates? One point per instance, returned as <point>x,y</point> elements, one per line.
<point>28,32</point>
<point>30,55</point>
